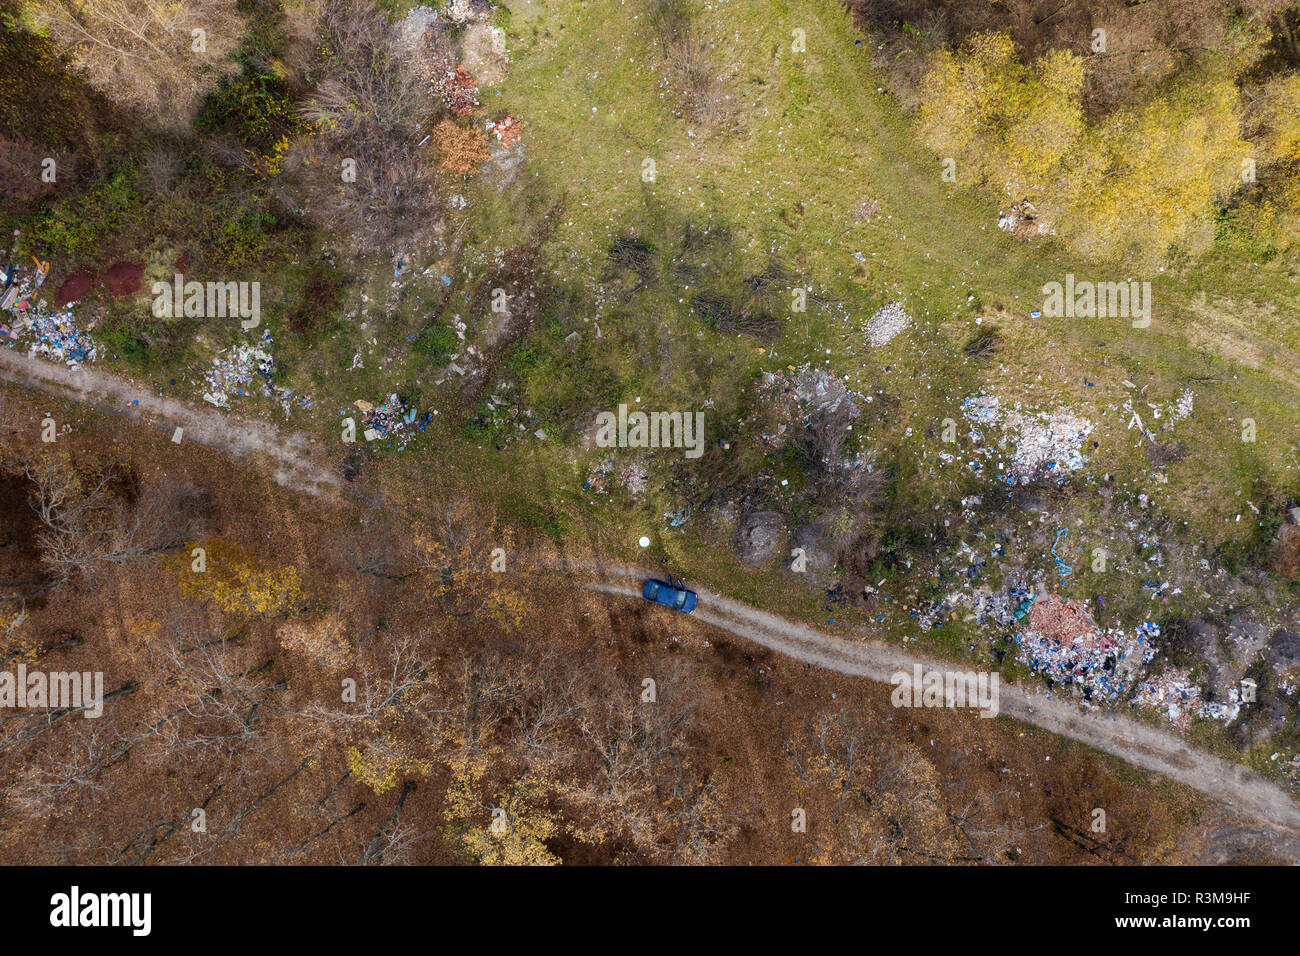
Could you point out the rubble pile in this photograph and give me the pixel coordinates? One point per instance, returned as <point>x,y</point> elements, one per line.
<point>882,327</point>
<point>458,89</point>
<point>1046,445</point>
<point>1174,693</point>
<point>632,476</point>
<point>1023,221</point>
<point>1043,445</point>
<point>1065,645</point>
<point>507,130</point>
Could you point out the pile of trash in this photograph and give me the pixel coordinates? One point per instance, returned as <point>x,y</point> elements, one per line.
<point>819,391</point>
<point>1044,445</point>
<point>232,372</point>
<point>393,420</point>
<point>54,335</point>
<point>1065,645</point>
<point>458,89</point>
<point>507,130</point>
<point>1181,700</point>
<point>632,476</point>
<point>1023,221</point>
<point>887,323</point>
<point>467,11</point>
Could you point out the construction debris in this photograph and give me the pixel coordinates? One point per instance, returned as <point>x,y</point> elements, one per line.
<point>886,324</point>
<point>1065,645</point>
<point>1044,446</point>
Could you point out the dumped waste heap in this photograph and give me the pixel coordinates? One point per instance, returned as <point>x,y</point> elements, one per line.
<point>887,323</point>
<point>52,334</point>
<point>232,372</point>
<point>1065,645</point>
<point>394,420</point>
<point>1043,445</point>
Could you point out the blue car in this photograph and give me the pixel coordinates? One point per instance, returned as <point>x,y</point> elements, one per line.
<point>679,599</point>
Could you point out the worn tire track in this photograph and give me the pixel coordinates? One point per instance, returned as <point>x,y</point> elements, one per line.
<point>294,457</point>
<point>1149,748</point>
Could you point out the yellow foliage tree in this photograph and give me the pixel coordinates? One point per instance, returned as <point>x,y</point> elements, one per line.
<point>237,585</point>
<point>1130,186</point>
<point>1281,108</point>
<point>1000,119</point>
<point>470,567</point>
<point>1148,175</point>
<point>509,829</point>
<point>381,762</point>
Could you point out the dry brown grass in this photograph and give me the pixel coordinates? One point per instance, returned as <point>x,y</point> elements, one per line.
<point>462,149</point>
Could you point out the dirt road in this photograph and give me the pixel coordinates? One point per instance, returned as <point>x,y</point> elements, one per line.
<point>295,462</point>
<point>294,458</point>
<point>1159,751</point>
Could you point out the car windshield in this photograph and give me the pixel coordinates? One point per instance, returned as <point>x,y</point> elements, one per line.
<point>652,589</point>
<point>681,599</point>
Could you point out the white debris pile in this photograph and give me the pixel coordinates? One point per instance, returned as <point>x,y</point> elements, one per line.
<point>1042,445</point>
<point>982,409</point>
<point>1166,414</point>
<point>411,30</point>
<point>1176,411</point>
<point>818,390</point>
<point>887,323</point>
<point>1046,445</point>
<point>1174,693</point>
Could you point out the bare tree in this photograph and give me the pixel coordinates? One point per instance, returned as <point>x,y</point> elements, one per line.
<point>361,169</point>
<point>91,525</point>
<point>218,694</point>
<point>638,747</point>
<point>159,58</point>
